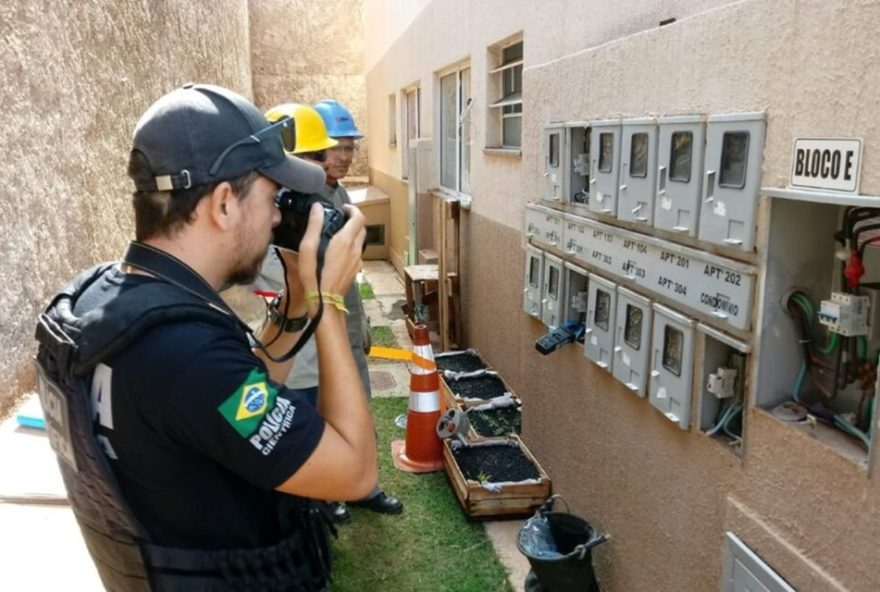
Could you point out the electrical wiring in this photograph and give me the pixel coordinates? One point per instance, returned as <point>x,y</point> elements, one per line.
<point>865,243</point>
<point>851,430</point>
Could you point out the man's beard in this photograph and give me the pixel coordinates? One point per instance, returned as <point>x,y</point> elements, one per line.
<point>245,272</point>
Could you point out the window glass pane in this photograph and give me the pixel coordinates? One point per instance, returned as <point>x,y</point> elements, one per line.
<point>412,115</point>
<point>466,132</point>
<point>534,268</point>
<point>734,152</point>
<point>680,157</point>
<point>512,53</point>
<point>673,347</point>
<point>632,331</point>
<point>553,288</point>
<point>638,156</point>
<point>553,150</point>
<point>448,131</point>
<point>603,309</point>
<point>512,131</point>
<point>606,152</point>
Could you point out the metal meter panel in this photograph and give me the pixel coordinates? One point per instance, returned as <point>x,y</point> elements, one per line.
<point>576,238</point>
<point>601,307</point>
<point>576,295</point>
<point>638,170</point>
<point>672,365</point>
<point>680,149</point>
<point>577,187</point>
<point>534,281</point>
<point>732,177</point>
<point>555,163</point>
<point>543,226</point>
<point>551,292</point>
<point>632,343</point>
<point>605,166</point>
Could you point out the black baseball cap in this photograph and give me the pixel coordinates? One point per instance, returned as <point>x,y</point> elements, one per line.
<point>201,134</point>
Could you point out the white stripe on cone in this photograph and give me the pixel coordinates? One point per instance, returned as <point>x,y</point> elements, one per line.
<point>426,353</point>
<point>424,402</point>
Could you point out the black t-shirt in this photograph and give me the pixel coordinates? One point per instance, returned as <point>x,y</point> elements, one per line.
<point>197,434</point>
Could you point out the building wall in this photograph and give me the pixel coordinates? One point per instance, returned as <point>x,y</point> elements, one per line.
<point>303,52</point>
<point>76,77</point>
<point>666,495</point>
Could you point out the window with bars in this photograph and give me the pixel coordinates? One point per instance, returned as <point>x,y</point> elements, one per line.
<point>508,106</point>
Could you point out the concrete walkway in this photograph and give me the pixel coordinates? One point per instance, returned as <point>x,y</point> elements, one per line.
<point>41,549</point>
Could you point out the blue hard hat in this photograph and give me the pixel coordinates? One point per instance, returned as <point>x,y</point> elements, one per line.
<point>338,119</point>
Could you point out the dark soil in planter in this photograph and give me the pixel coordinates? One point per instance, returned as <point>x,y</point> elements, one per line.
<point>478,387</point>
<point>497,422</point>
<point>463,362</point>
<point>495,463</point>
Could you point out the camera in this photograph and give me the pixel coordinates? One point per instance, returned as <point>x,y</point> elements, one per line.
<point>295,208</point>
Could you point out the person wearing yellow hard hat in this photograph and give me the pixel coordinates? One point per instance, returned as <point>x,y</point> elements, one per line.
<point>311,141</point>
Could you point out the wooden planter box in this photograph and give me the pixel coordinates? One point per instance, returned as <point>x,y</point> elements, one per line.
<point>513,500</point>
<point>439,357</point>
<point>447,385</point>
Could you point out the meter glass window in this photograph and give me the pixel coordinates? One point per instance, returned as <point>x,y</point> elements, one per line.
<point>632,331</point>
<point>680,157</point>
<point>673,347</point>
<point>734,153</point>
<point>534,268</point>
<point>606,152</point>
<point>553,287</point>
<point>603,309</point>
<point>553,149</point>
<point>638,156</point>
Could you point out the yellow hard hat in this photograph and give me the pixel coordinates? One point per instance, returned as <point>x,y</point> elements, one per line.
<point>311,133</point>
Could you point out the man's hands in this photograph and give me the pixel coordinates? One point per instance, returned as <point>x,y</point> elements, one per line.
<point>342,259</point>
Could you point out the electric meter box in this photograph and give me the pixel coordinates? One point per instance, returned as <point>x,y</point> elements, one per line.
<point>632,340</point>
<point>534,281</point>
<point>543,226</point>
<point>720,375</point>
<point>638,170</point>
<point>577,185</point>
<point>672,365</point>
<point>734,157</point>
<point>680,150</point>
<point>599,336</point>
<point>555,163</point>
<point>605,166</point>
<point>576,295</point>
<point>551,293</point>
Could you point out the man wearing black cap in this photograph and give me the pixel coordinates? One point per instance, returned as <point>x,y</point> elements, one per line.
<point>188,463</point>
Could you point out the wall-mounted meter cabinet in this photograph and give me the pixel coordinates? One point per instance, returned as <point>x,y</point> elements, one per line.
<point>605,166</point>
<point>551,293</point>
<point>679,173</point>
<point>672,365</point>
<point>555,163</point>
<point>599,337</point>
<point>734,156</point>
<point>632,345</point>
<point>543,226</point>
<point>576,296</point>
<point>720,380</point>
<point>577,188</point>
<point>534,281</point>
<point>638,170</point>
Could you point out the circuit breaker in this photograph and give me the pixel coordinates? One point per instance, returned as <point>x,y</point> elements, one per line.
<point>576,295</point>
<point>605,166</point>
<point>731,179</point>
<point>638,170</point>
<point>555,163</point>
<point>632,344</point>
<point>672,365</point>
<point>551,292</point>
<point>543,226</point>
<point>577,187</point>
<point>534,281</point>
<point>601,307</point>
<point>680,150</point>
<point>720,381</point>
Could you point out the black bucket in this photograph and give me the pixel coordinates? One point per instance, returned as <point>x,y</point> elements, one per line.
<point>563,561</point>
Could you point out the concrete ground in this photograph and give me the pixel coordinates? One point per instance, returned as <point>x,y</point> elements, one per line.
<point>37,528</point>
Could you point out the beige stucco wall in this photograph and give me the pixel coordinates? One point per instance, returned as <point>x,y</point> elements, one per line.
<point>667,496</point>
<point>75,77</point>
<point>303,52</point>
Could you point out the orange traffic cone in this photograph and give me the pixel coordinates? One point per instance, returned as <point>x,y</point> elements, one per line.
<point>422,451</point>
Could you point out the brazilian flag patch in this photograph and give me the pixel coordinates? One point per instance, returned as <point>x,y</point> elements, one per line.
<point>245,408</point>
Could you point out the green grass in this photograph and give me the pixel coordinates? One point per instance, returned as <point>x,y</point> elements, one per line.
<point>383,337</point>
<point>431,547</point>
<point>366,290</point>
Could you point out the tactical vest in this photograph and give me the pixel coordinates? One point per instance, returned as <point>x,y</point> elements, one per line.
<point>126,557</point>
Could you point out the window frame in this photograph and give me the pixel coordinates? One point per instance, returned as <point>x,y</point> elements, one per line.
<point>457,70</point>
<point>405,93</point>
<point>507,103</point>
